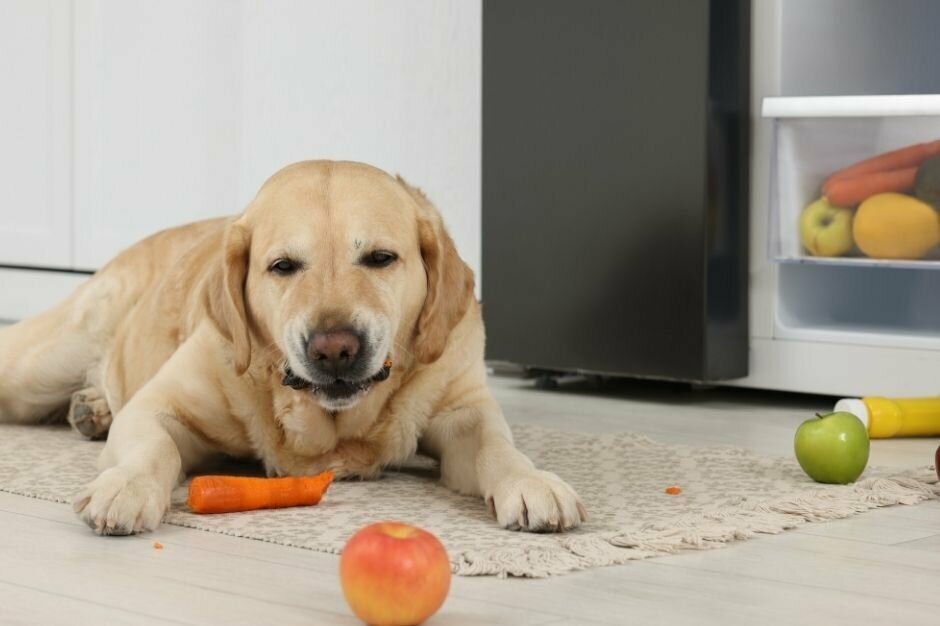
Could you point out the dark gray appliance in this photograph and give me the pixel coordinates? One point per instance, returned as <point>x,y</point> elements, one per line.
<point>615,186</point>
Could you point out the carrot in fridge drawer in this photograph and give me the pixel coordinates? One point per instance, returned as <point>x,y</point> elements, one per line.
<point>902,158</point>
<point>847,192</point>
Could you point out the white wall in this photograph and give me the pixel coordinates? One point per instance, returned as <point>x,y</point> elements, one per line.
<point>178,110</point>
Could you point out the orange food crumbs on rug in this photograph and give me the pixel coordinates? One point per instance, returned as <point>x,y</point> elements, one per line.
<point>673,490</point>
<point>157,545</point>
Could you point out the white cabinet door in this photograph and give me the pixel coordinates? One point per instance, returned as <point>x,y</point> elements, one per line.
<point>182,108</point>
<point>35,105</point>
<point>157,119</point>
<point>395,84</point>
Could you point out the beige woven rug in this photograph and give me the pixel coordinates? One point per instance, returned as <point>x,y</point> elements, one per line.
<point>728,494</point>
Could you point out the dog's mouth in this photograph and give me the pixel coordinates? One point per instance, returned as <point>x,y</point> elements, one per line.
<point>342,389</point>
<point>337,389</point>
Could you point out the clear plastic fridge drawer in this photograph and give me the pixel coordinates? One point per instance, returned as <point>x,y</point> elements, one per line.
<point>881,212</point>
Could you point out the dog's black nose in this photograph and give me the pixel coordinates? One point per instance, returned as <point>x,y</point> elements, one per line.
<point>334,352</point>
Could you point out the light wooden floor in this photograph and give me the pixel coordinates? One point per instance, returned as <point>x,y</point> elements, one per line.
<point>881,568</point>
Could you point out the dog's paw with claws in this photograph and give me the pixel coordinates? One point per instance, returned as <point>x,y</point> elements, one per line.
<point>122,501</point>
<point>536,501</point>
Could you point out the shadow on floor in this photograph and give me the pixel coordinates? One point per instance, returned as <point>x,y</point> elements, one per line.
<point>669,393</point>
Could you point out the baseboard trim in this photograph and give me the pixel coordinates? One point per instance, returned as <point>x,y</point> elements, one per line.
<point>61,270</point>
<point>26,292</point>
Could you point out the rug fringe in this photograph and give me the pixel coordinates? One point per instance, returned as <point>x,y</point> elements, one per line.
<point>701,531</point>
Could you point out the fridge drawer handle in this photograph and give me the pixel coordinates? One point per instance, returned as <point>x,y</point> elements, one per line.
<point>852,106</point>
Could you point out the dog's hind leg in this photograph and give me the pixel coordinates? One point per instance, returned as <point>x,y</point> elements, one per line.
<point>45,359</point>
<point>89,413</point>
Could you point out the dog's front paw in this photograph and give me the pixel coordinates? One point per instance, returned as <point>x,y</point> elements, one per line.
<point>536,502</point>
<point>122,501</point>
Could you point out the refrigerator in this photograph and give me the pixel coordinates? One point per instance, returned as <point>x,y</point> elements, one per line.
<point>687,273</point>
<point>615,185</point>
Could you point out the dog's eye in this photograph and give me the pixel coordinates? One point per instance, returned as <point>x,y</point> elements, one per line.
<point>284,267</point>
<point>379,258</point>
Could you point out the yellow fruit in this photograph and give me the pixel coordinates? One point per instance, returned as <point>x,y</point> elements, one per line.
<point>895,226</point>
<point>826,230</point>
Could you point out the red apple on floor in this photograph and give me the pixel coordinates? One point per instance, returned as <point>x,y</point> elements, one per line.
<point>394,574</point>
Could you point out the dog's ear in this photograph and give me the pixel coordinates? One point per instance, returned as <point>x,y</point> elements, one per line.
<point>225,294</point>
<point>450,281</point>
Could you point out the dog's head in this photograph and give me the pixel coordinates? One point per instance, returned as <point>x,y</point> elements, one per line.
<point>339,266</point>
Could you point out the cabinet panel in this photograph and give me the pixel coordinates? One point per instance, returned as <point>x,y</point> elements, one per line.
<point>157,114</point>
<point>395,84</point>
<point>35,209</point>
<point>177,111</point>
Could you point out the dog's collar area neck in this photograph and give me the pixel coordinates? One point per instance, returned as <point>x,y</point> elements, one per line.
<point>294,381</point>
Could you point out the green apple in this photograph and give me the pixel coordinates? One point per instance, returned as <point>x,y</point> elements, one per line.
<point>826,230</point>
<point>832,448</point>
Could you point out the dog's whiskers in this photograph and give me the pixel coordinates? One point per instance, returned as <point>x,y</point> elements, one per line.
<point>403,348</point>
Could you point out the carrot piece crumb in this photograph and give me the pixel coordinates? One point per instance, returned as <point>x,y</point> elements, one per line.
<point>673,490</point>
<point>157,545</point>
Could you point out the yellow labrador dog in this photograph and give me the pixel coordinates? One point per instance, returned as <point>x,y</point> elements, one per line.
<point>330,326</point>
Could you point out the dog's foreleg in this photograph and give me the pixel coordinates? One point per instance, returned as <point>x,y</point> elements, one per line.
<point>477,455</point>
<point>154,438</point>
